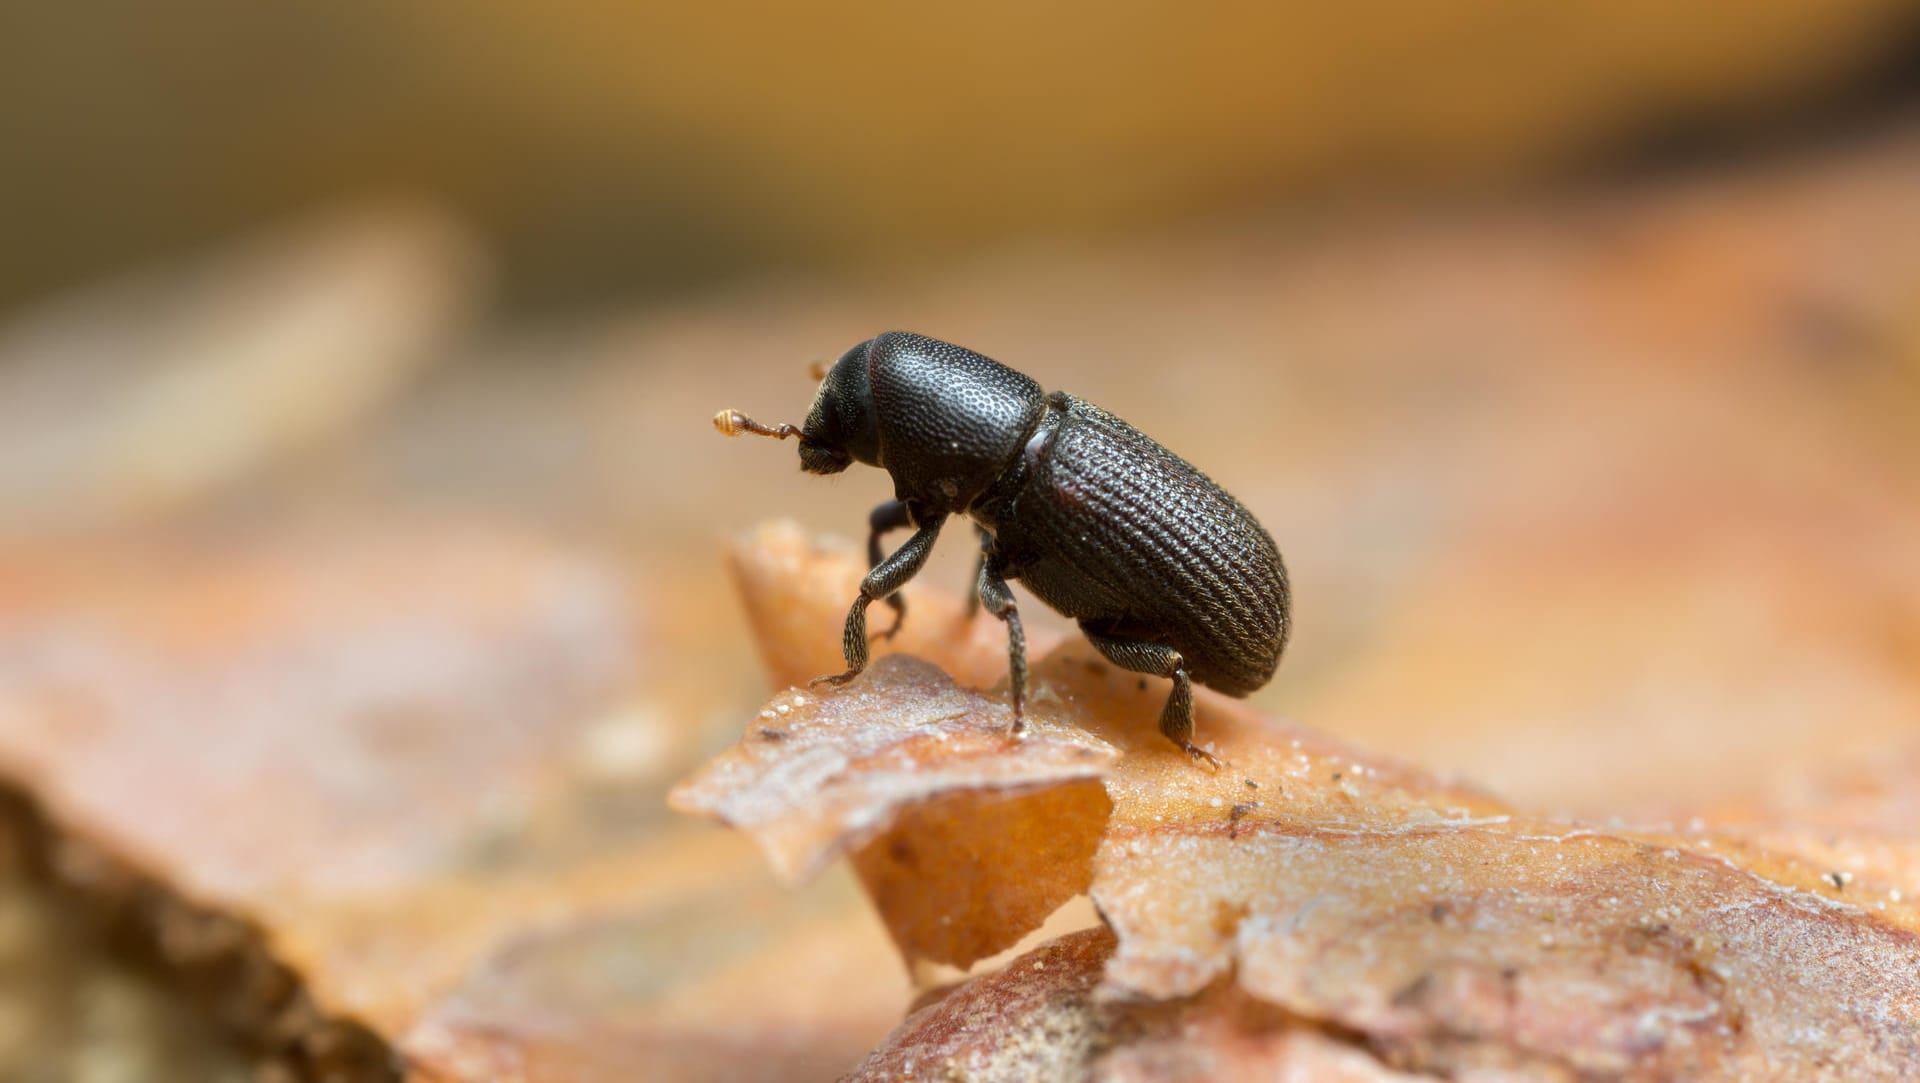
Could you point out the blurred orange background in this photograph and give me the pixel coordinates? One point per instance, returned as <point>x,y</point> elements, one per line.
<point>621,151</point>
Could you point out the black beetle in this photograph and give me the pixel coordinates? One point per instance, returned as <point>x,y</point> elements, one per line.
<point>1167,574</point>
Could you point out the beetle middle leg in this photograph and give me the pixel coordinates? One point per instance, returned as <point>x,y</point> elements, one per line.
<point>992,591</point>
<point>1158,660</point>
<point>891,574</point>
<point>891,515</point>
<point>979,569</point>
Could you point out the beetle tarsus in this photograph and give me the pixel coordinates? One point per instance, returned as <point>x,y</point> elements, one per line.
<point>1201,755</point>
<point>853,644</point>
<point>835,679</point>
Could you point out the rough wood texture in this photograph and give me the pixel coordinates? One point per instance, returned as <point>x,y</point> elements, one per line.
<point>1445,931</point>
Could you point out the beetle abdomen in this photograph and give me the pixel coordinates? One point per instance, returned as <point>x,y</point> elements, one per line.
<point>1140,541</point>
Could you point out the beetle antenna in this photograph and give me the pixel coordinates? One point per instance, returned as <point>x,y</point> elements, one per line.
<point>817,370</point>
<point>733,423</point>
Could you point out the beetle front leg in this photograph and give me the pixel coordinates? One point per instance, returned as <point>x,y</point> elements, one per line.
<point>891,515</point>
<point>993,592</point>
<point>1158,660</point>
<point>891,574</point>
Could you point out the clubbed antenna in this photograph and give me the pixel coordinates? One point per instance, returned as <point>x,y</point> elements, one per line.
<point>733,423</point>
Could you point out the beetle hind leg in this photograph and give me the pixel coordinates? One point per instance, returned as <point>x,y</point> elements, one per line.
<point>1158,660</point>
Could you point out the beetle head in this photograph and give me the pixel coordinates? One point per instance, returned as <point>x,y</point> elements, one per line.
<point>841,428</point>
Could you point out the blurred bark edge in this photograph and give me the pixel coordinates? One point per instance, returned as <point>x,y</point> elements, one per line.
<point>154,391</point>
<point>305,768</point>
